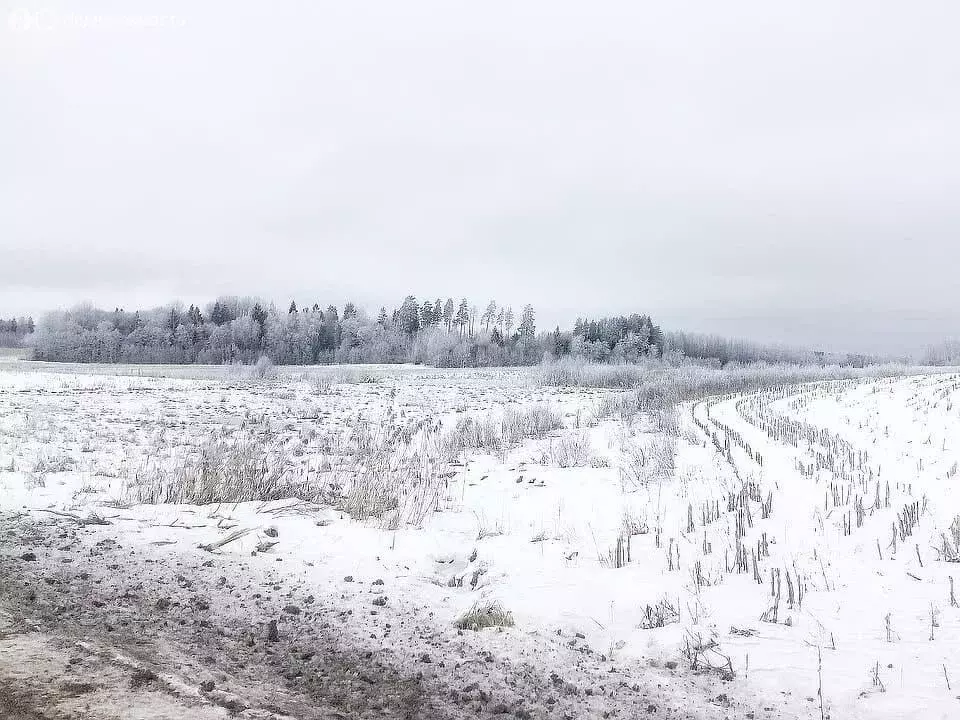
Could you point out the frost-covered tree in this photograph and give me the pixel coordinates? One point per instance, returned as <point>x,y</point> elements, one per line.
<point>488,315</point>
<point>220,313</point>
<point>241,329</point>
<point>410,315</point>
<point>426,314</point>
<point>473,319</point>
<point>15,331</point>
<point>463,316</point>
<point>448,314</point>
<point>259,316</point>
<point>528,324</point>
<point>508,321</point>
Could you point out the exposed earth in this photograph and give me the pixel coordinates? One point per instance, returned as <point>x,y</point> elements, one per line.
<point>93,629</point>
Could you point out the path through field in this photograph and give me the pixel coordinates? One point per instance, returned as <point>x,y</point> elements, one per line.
<point>862,477</point>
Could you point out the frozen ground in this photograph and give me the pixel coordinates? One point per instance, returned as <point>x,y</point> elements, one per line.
<point>636,583</point>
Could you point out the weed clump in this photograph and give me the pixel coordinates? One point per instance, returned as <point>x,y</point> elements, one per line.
<point>485,615</point>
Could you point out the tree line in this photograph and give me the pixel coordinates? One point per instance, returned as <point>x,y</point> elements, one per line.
<point>946,353</point>
<point>442,333</point>
<point>14,331</point>
<point>241,330</point>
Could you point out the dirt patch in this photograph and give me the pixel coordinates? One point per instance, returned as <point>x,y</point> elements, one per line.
<point>16,705</point>
<point>102,631</point>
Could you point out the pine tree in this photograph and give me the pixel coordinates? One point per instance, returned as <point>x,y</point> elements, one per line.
<point>508,321</point>
<point>528,325</point>
<point>489,314</point>
<point>410,315</point>
<point>382,317</point>
<point>426,314</point>
<point>220,315</point>
<point>259,316</point>
<point>463,316</point>
<point>293,307</point>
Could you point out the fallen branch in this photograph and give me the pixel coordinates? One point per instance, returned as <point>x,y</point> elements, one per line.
<point>177,524</point>
<point>235,535</point>
<point>89,520</point>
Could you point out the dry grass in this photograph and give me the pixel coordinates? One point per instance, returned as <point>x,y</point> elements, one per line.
<point>498,433</point>
<point>950,550</point>
<point>572,372</point>
<point>223,470</point>
<point>655,387</point>
<point>645,461</point>
<point>485,615</point>
<point>571,450</point>
<point>385,471</point>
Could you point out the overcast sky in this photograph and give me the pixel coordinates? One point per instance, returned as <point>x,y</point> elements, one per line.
<point>782,171</point>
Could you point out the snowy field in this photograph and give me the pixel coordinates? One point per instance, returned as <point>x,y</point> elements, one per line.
<point>494,546</point>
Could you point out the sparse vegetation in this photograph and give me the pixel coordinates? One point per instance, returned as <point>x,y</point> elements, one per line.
<point>485,615</point>
<point>222,470</point>
<point>497,433</point>
<point>664,612</point>
<point>571,450</point>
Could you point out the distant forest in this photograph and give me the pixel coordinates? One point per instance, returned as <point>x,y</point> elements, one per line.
<point>430,332</point>
<point>14,331</point>
<point>241,330</point>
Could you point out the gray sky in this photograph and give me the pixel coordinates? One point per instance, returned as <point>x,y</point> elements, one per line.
<point>786,172</point>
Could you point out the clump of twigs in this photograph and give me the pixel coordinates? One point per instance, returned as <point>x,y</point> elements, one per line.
<point>663,613</point>
<point>703,654</point>
<point>950,549</point>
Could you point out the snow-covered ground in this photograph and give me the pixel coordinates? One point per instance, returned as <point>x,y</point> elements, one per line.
<point>636,580</point>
